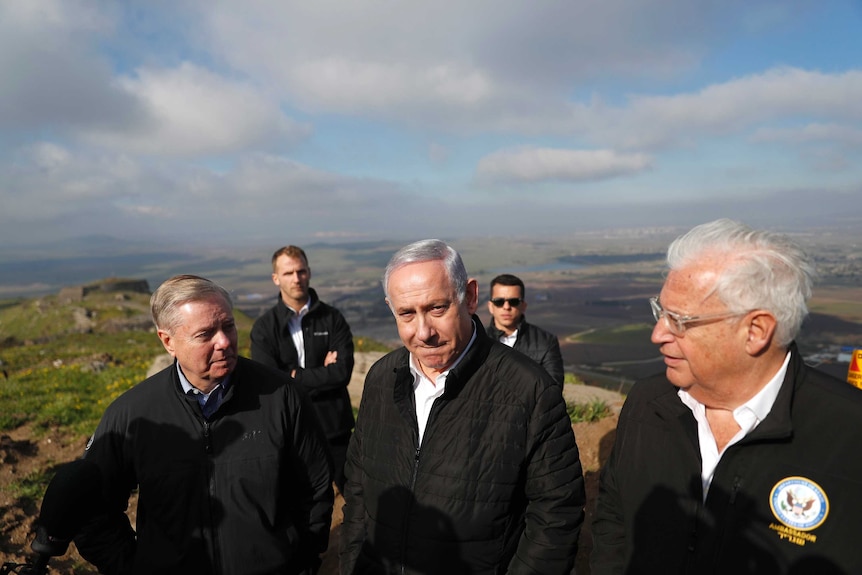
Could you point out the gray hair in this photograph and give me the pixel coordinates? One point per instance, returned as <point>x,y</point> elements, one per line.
<point>178,290</point>
<point>766,271</point>
<point>426,251</point>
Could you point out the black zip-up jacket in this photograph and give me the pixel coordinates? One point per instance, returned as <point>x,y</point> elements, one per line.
<point>246,492</point>
<point>496,486</point>
<point>540,345</point>
<point>786,499</point>
<point>324,329</point>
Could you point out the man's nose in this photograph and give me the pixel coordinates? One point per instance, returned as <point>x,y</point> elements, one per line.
<point>425,330</point>
<point>661,332</point>
<point>222,339</point>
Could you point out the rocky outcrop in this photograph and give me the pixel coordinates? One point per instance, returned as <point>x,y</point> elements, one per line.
<point>110,285</point>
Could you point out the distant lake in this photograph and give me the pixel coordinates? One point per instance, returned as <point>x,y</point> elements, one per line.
<point>579,262</point>
<point>547,267</point>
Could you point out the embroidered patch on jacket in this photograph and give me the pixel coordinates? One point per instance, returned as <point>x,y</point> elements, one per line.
<point>799,503</point>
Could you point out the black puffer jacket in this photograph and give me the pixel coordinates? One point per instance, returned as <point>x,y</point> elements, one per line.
<point>495,488</point>
<point>324,329</point>
<point>541,346</point>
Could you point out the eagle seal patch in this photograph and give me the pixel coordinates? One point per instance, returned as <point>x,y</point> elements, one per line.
<point>799,503</point>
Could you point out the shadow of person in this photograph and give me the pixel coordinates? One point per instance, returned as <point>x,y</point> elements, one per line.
<point>815,566</point>
<point>174,526</point>
<point>591,483</point>
<point>730,535</point>
<point>392,549</point>
<point>697,541</point>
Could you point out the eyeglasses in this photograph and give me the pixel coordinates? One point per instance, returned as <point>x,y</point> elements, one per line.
<point>676,323</point>
<point>499,301</point>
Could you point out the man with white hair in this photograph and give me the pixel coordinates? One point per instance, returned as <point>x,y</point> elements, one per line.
<point>739,458</point>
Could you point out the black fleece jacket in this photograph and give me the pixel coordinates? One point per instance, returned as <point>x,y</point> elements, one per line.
<point>246,492</point>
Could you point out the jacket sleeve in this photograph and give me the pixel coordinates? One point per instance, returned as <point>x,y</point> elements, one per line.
<point>608,526</point>
<point>108,540</point>
<point>313,465</point>
<point>353,527</point>
<point>554,489</point>
<point>320,378</point>
<point>264,348</point>
<point>553,360</point>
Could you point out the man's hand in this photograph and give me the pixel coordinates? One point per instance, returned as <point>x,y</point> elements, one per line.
<point>331,357</point>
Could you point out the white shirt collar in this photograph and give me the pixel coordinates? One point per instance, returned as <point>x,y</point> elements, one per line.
<point>747,416</point>
<point>425,392</point>
<point>509,339</point>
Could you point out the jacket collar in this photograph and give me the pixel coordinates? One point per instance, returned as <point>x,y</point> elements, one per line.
<point>470,363</point>
<point>776,425</point>
<point>495,333</point>
<point>284,312</point>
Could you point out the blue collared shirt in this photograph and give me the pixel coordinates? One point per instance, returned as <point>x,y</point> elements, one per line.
<point>209,402</point>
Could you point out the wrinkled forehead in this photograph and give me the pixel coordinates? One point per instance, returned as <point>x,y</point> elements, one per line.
<point>693,284</point>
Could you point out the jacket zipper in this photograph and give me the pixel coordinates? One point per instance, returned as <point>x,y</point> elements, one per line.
<point>415,476</point>
<point>731,500</point>
<point>208,449</point>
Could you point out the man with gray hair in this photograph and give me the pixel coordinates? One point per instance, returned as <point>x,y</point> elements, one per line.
<point>739,458</point>
<point>231,467</point>
<point>463,459</point>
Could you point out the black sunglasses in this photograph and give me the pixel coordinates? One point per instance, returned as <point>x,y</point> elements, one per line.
<point>499,301</point>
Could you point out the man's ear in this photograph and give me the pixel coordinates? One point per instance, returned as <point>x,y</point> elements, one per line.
<point>471,296</point>
<point>167,341</point>
<point>761,329</point>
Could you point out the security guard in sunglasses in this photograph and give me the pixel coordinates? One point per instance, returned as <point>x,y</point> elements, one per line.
<point>508,324</point>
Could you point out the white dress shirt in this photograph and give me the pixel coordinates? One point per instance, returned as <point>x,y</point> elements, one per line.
<point>747,416</point>
<point>426,391</point>
<point>295,325</point>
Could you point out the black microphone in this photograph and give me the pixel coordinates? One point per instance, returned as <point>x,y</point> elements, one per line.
<point>73,497</point>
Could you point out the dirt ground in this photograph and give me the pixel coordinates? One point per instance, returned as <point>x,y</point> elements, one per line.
<point>24,453</point>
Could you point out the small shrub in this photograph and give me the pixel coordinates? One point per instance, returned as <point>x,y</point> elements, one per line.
<point>571,378</point>
<point>588,412</point>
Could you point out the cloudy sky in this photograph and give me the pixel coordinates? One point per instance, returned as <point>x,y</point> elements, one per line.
<point>293,121</point>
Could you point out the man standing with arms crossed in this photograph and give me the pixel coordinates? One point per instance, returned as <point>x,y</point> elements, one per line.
<point>310,341</point>
<point>507,305</point>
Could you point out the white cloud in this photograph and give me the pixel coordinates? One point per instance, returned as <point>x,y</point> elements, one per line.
<point>192,111</point>
<point>183,117</point>
<point>810,133</point>
<point>726,108</point>
<point>445,62</point>
<point>50,191</point>
<point>345,85</point>
<point>49,156</point>
<point>530,165</point>
<point>51,73</point>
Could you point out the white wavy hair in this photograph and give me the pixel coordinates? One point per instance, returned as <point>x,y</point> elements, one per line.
<point>766,271</point>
